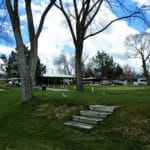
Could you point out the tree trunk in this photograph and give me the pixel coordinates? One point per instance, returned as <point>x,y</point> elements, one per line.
<point>33,61</point>
<point>79,67</point>
<point>146,73</point>
<point>26,81</point>
<point>33,70</point>
<point>27,92</point>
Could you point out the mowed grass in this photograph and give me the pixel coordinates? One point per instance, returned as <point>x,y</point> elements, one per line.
<point>38,124</point>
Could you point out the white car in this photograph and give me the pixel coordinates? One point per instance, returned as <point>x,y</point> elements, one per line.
<point>140,81</point>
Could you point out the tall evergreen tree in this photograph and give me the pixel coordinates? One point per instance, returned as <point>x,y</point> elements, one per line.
<point>104,66</point>
<point>40,69</point>
<point>12,68</point>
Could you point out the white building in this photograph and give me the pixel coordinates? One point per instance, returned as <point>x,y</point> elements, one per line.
<point>55,78</point>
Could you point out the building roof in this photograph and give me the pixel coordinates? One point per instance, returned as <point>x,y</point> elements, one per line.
<point>58,75</point>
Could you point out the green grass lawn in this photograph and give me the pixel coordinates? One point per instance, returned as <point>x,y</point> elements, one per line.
<point>38,124</point>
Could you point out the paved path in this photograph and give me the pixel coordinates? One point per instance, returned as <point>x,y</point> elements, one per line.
<point>57,90</point>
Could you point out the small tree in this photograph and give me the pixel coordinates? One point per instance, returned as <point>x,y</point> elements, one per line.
<point>63,64</point>
<point>88,72</point>
<point>138,46</point>
<point>128,73</point>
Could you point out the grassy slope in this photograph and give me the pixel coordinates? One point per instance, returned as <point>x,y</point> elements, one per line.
<point>127,129</point>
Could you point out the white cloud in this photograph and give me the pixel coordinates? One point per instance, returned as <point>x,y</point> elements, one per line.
<point>5,50</point>
<point>148,30</point>
<point>112,42</point>
<point>53,38</point>
<point>143,2</point>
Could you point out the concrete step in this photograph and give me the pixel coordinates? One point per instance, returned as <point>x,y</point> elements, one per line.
<point>103,108</point>
<point>78,124</point>
<point>94,114</point>
<point>87,120</point>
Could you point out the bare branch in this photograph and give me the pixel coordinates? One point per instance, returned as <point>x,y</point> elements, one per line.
<point>134,14</point>
<point>83,7</point>
<point>85,12</point>
<point>94,15</point>
<point>43,18</point>
<point>14,17</point>
<point>94,5</point>
<point>16,6</point>
<point>76,9</point>
<point>61,8</point>
<point>139,47</point>
<point>30,20</point>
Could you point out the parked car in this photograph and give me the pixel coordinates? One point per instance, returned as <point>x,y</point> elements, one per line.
<point>10,83</point>
<point>105,82</point>
<point>140,81</point>
<point>116,82</point>
<point>14,82</point>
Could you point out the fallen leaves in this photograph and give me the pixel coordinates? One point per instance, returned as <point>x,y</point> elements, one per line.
<point>51,111</point>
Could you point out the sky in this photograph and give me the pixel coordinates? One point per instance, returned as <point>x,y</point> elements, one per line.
<point>56,38</point>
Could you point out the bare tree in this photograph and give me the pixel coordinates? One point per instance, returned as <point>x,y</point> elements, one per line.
<point>63,64</point>
<point>4,29</point>
<point>128,73</point>
<point>2,16</point>
<point>81,14</point>
<point>26,67</point>
<point>139,47</point>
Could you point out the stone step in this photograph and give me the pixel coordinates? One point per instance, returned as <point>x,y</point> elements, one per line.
<point>103,108</point>
<point>94,114</point>
<point>78,124</point>
<point>87,120</point>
